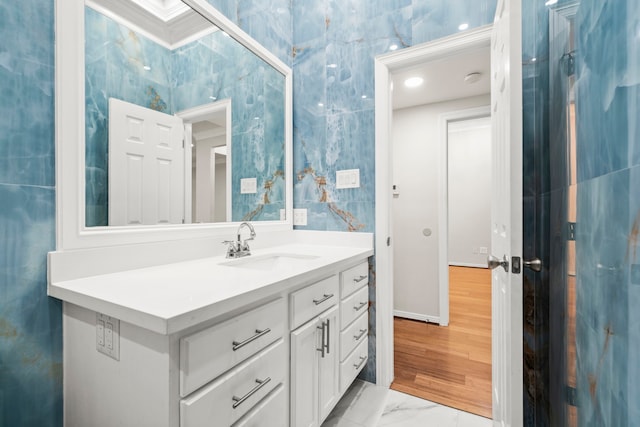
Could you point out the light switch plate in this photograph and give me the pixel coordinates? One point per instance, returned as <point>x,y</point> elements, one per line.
<point>299,217</point>
<point>349,178</point>
<point>248,186</point>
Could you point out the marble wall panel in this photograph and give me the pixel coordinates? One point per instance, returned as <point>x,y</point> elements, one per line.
<point>30,322</point>
<point>26,83</point>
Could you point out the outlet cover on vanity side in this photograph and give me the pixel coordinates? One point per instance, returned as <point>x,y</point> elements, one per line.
<point>108,335</point>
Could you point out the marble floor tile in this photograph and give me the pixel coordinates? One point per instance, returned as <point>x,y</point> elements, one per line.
<point>367,405</point>
<point>362,404</point>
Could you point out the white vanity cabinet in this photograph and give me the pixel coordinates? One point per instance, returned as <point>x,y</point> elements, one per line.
<point>314,353</point>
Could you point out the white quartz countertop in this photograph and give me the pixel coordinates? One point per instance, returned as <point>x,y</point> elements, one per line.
<point>172,297</point>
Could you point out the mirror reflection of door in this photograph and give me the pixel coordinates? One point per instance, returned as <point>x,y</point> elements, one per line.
<point>146,178</point>
<point>156,179</point>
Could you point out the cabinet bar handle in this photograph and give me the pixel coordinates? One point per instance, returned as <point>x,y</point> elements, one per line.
<point>238,345</point>
<point>359,365</point>
<point>360,278</point>
<point>322,346</point>
<point>328,336</point>
<point>240,400</point>
<point>362,304</point>
<point>360,335</point>
<point>320,301</point>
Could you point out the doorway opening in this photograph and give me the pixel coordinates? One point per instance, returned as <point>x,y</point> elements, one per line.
<point>441,226</point>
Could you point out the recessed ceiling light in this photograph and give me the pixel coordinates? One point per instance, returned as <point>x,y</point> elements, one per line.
<point>213,98</point>
<point>463,26</point>
<point>413,81</point>
<point>320,104</point>
<point>146,67</point>
<point>534,59</point>
<point>332,66</point>
<point>393,47</point>
<point>364,96</point>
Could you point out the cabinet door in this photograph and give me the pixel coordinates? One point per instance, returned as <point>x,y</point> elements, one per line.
<point>329,364</point>
<point>305,342</point>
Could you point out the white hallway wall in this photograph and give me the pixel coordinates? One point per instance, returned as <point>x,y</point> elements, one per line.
<point>415,171</point>
<point>469,157</point>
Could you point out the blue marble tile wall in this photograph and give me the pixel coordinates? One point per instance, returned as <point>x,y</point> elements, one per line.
<point>126,65</point>
<point>608,217</point>
<point>30,322</point>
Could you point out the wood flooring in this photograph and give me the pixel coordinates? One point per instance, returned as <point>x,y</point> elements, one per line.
<point>450,365</point>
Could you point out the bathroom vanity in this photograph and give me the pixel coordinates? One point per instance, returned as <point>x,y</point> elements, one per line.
<point>273,339</point>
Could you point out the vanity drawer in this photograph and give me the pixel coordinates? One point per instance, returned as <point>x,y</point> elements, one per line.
<point>353,335</point>
<point>353,306</point>
<point>213,351</point>
<point>272,410</point>
<point>308,302</point>
<point>350,368</point>
<point>214,404</point>
<point>353,279</point>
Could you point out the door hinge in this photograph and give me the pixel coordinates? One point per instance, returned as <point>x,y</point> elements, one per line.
<point>388,241</point>
<point>571,231</point>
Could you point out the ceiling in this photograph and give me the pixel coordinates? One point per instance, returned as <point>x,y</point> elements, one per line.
<point>443,80</point>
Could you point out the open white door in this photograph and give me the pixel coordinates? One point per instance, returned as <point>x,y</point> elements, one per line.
<point>506,213</point>
<point>146,166</point>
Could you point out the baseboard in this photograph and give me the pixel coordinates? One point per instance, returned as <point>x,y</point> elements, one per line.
<point>416,316</point>
<point>467,264</point>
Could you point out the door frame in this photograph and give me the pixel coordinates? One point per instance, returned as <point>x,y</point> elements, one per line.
<point>385,65</point>
<point>443,200</point>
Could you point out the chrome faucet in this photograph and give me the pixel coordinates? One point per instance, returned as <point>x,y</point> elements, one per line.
<point>240,248</point>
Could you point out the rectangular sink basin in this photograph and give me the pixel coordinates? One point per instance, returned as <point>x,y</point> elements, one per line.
<point>270,261</point>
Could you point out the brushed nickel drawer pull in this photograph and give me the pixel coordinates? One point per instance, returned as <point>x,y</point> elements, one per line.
<point>259,333</point>
<point>240,400</point>
<point>362,304</point>
<point>320,301</point>
<point>360,335</point>
<point>360,278</point>
<point>359,365</point>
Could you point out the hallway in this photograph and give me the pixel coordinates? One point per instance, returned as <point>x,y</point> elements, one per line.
<point>450,365</point>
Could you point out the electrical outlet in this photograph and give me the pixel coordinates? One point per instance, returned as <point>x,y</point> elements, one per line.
<point>483,250</point>
<point>108,335</point>
<point>299,217</point>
